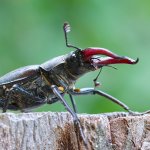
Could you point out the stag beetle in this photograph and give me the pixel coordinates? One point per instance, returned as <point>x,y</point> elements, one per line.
<point>31,86</point>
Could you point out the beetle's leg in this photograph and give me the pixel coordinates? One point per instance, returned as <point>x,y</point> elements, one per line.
<point>2,102</point>
<point>18,90</point>
<point>7,106</point>
<point>73,103</point>
<point>74,115</point>
<point>92,91</point>
<point>6,103</point>
<point>53,100</point>
<point>58,95</point>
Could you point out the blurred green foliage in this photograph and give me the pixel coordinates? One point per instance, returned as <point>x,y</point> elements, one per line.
<point>31,33</point>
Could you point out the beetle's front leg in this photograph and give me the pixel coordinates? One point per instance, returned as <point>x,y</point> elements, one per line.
<point>19,92</point>
<point>74,115</point>
<point>92,91</point>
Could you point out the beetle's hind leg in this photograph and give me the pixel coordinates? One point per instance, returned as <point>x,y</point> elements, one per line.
<point>24,99</point>
<point>2,102</point>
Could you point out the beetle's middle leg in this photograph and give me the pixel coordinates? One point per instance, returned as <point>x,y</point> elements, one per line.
<point>73,103</point>
<point>20,92</point>
<point>74,115</point>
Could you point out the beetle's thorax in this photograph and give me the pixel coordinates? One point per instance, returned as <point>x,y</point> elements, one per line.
<point>61,76</point>
<point>57,73</point>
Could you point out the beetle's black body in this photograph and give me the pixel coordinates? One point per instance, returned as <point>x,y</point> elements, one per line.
<point>36,79</point>
<point>34,85</point>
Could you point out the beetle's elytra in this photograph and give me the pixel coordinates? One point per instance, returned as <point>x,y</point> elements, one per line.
<point>34,85</point>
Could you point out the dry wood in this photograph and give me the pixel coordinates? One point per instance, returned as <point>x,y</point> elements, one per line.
<point>56,131</point>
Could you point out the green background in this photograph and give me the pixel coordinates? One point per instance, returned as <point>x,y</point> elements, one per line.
<point>31,33</point>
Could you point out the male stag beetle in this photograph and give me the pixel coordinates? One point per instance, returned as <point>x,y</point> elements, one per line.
<point>31,86</point>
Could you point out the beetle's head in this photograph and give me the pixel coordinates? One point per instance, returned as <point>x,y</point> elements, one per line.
<point>80,62</point>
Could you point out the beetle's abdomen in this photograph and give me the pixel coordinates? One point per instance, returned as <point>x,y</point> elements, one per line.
<point>21,73</point>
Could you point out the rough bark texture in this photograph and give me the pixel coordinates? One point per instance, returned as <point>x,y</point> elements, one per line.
<point>56,131</point>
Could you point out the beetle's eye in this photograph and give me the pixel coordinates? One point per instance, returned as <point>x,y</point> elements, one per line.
<point>73,57</point>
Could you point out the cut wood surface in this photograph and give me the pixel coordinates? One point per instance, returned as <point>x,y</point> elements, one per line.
<point>56,131</point>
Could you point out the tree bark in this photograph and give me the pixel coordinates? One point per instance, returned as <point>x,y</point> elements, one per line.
<point>56,131</point>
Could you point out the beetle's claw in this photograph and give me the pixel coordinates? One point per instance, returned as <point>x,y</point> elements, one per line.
<point>90,55</point>
<point>136,61</point>
<point>134,113</point>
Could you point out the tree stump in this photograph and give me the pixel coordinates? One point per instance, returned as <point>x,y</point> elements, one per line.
<point>56,131</point>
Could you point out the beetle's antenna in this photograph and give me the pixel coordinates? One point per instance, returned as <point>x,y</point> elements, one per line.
<point>112,67</point>
<point>96,84</point>
<point>67,29</point>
